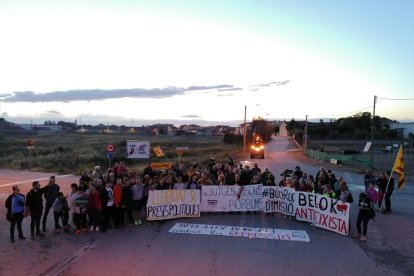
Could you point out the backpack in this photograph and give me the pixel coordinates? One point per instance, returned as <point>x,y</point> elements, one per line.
<point>8,207</point>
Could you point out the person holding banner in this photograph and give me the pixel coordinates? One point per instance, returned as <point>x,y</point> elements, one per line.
<point>179,185</point>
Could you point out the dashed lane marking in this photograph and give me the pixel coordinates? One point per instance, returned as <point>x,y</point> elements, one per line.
<point>31,180</point>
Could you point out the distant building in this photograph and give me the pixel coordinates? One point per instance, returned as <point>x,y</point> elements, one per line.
<point>42,128</point>
<point>403,129</point>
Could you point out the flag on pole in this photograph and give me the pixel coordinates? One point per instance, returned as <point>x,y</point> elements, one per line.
<point>399,167</point>
<point>158,151</point>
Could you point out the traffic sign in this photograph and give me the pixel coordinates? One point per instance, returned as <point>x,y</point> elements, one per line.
<point>110,155</point>
<point>110,148</point>
<point>30,143</point>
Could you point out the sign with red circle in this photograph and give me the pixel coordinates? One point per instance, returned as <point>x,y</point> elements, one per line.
<point>110,148</point>
<point>30,143</point>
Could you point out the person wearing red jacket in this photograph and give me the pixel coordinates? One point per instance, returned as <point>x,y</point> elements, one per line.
<point>118,211</point>
<point>94,208</point>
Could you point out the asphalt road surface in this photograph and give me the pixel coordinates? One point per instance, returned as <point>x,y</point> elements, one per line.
<point>150,249</point>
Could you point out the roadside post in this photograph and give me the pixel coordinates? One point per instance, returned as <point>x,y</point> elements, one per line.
<point>110,153</point>
<point>180,151</point>
<point>30,147</point>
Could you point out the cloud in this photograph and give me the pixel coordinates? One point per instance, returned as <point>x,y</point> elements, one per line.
<point>191,116</point>
<point>52,113</point>
<point>98,94</point>
<point>261,85</point>
<point>230,89</point>
<point>5,95</point>
<point>224,95</point>
<point>223,86</point>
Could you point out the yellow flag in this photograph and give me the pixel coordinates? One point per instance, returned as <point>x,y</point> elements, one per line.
<point>158,151</point>
<point>399,167</point>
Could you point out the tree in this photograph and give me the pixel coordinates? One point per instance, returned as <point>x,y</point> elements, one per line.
<point>276,130</point>
<point>291,126</point>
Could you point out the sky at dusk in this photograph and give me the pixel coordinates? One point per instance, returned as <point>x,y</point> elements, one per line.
<point>120,61</point>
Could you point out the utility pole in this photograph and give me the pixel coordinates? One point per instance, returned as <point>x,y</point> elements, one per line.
<point>244,129</point>
<point>305,147</point>
<point>372,133</point>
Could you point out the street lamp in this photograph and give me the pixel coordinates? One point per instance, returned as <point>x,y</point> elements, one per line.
<point>244,127</point>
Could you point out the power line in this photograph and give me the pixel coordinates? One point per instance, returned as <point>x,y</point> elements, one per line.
<point>390,99</point>
<point>347,113</point>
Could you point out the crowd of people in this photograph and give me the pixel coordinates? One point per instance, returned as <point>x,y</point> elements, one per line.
<point>117,197</point>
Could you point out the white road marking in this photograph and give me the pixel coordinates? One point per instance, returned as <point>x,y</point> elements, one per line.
<point>32,180</point>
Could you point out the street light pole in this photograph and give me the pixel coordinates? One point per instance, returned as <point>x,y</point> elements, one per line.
<point>372,133</point>
<point>244,129</point>
<point>306,135</point>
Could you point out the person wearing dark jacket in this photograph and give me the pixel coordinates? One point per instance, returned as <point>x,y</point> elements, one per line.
<point>50,193</point>
<point>388,192</point>
<point>364,215</point>
<point>107,205</point>
<point>34,208</point>
<point>16,208</point>
<point>126,200</point>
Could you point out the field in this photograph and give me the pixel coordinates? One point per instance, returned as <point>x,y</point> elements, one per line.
<point>71,153</point>
<point>383,159</point>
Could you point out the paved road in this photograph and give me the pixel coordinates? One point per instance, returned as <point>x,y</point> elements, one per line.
<point>151,250</point>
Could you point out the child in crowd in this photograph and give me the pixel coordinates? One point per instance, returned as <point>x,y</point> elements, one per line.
<point>79,205</point>
<point>372,193</point>
<point>61,211</point>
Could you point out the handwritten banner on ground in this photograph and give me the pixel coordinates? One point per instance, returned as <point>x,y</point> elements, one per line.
<point>241,232</point>
<point>169,204</point>
<point>323,212</point>
<point>232,198</point>
<point>279,199</point>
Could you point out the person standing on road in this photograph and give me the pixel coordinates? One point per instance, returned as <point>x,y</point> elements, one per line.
<point>138,199</point>
<point>107,204</point>
<point>126,200</point>
<point>80,204</point>
<point>388,192</point>
<point>364,215</point>
<point>382,186</point>
<point>118,210</point>
<point>50,193</point>
<point>61,211</point>
<point>369,178</point>
<point>34,208</point>
<point>94,208</point>
<point>15,205</point>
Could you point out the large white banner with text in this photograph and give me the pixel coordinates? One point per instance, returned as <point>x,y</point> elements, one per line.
<point>169,204</point>
<point>327,213</point>
<point>232,198</point>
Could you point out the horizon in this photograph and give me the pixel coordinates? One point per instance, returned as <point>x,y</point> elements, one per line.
<point>176,123</point>
<point>181,61</point>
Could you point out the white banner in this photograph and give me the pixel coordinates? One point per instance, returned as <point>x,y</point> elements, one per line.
<point>169,204</point>
<point>232,198</point>
<point>137,149</point>
<point>279,199</point>
<point>327,213</point>
<point>241,232</point>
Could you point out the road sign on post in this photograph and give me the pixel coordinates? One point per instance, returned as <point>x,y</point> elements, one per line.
<point>110,153</point>
<point>180,151</point>
<point>110,148</point>
<point>30,147</point>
